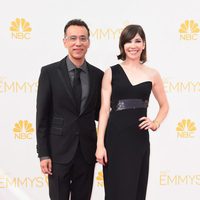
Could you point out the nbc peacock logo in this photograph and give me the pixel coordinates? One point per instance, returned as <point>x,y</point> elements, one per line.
<point>99,179</point>
<point>20,29</point>
<point>23,130</point>
<point>186,129</point>
<point>189,30</point>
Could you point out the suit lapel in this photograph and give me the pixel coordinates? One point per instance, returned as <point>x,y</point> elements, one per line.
<point>64,76</point>
<point>91,85</point>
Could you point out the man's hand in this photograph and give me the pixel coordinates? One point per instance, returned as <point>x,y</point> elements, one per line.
<point>46,166</point>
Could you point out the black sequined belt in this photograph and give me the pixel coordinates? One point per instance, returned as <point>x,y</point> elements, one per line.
<point>125,104</point>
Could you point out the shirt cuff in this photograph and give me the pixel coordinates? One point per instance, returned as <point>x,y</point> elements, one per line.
<point>44,158</point>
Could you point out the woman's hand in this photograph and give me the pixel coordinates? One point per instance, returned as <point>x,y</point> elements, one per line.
<point>148,124</point>
<point>101,155</point>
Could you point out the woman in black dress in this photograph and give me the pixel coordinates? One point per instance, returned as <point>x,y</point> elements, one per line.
<point>123,139</point>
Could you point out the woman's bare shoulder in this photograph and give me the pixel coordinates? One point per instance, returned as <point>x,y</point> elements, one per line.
<point>151,70</point>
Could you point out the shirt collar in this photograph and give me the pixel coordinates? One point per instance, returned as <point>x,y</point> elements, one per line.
<point>71,66</point>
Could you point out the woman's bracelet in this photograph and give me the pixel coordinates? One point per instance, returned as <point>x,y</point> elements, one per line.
<point>156,123</point>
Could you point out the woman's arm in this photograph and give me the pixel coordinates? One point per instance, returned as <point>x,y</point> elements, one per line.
<point>106,89</point>
<point>159,93</point>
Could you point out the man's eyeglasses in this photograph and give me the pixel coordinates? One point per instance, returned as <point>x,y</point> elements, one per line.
<point>73,38</point>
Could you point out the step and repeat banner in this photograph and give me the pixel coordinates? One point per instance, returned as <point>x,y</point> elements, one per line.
<point>31,34</point>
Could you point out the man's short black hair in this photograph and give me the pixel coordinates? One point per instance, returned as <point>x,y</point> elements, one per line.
<point>76,22</point>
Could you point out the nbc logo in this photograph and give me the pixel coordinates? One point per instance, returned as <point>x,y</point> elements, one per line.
<point>20,29</point>
<point>99,179</point>
<point>186,129</point>
<point>23,130</point>
<point>189,30</point>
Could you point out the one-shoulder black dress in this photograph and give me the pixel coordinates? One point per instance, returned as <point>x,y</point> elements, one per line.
<point>128,148</point>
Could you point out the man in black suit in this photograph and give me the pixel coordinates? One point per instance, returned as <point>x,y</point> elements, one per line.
<point>68,103</point>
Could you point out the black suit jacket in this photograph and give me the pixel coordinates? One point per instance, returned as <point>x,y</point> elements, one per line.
<point>59,127</point>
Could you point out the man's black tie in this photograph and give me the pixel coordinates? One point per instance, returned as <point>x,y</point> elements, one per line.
<point>77,88</point>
